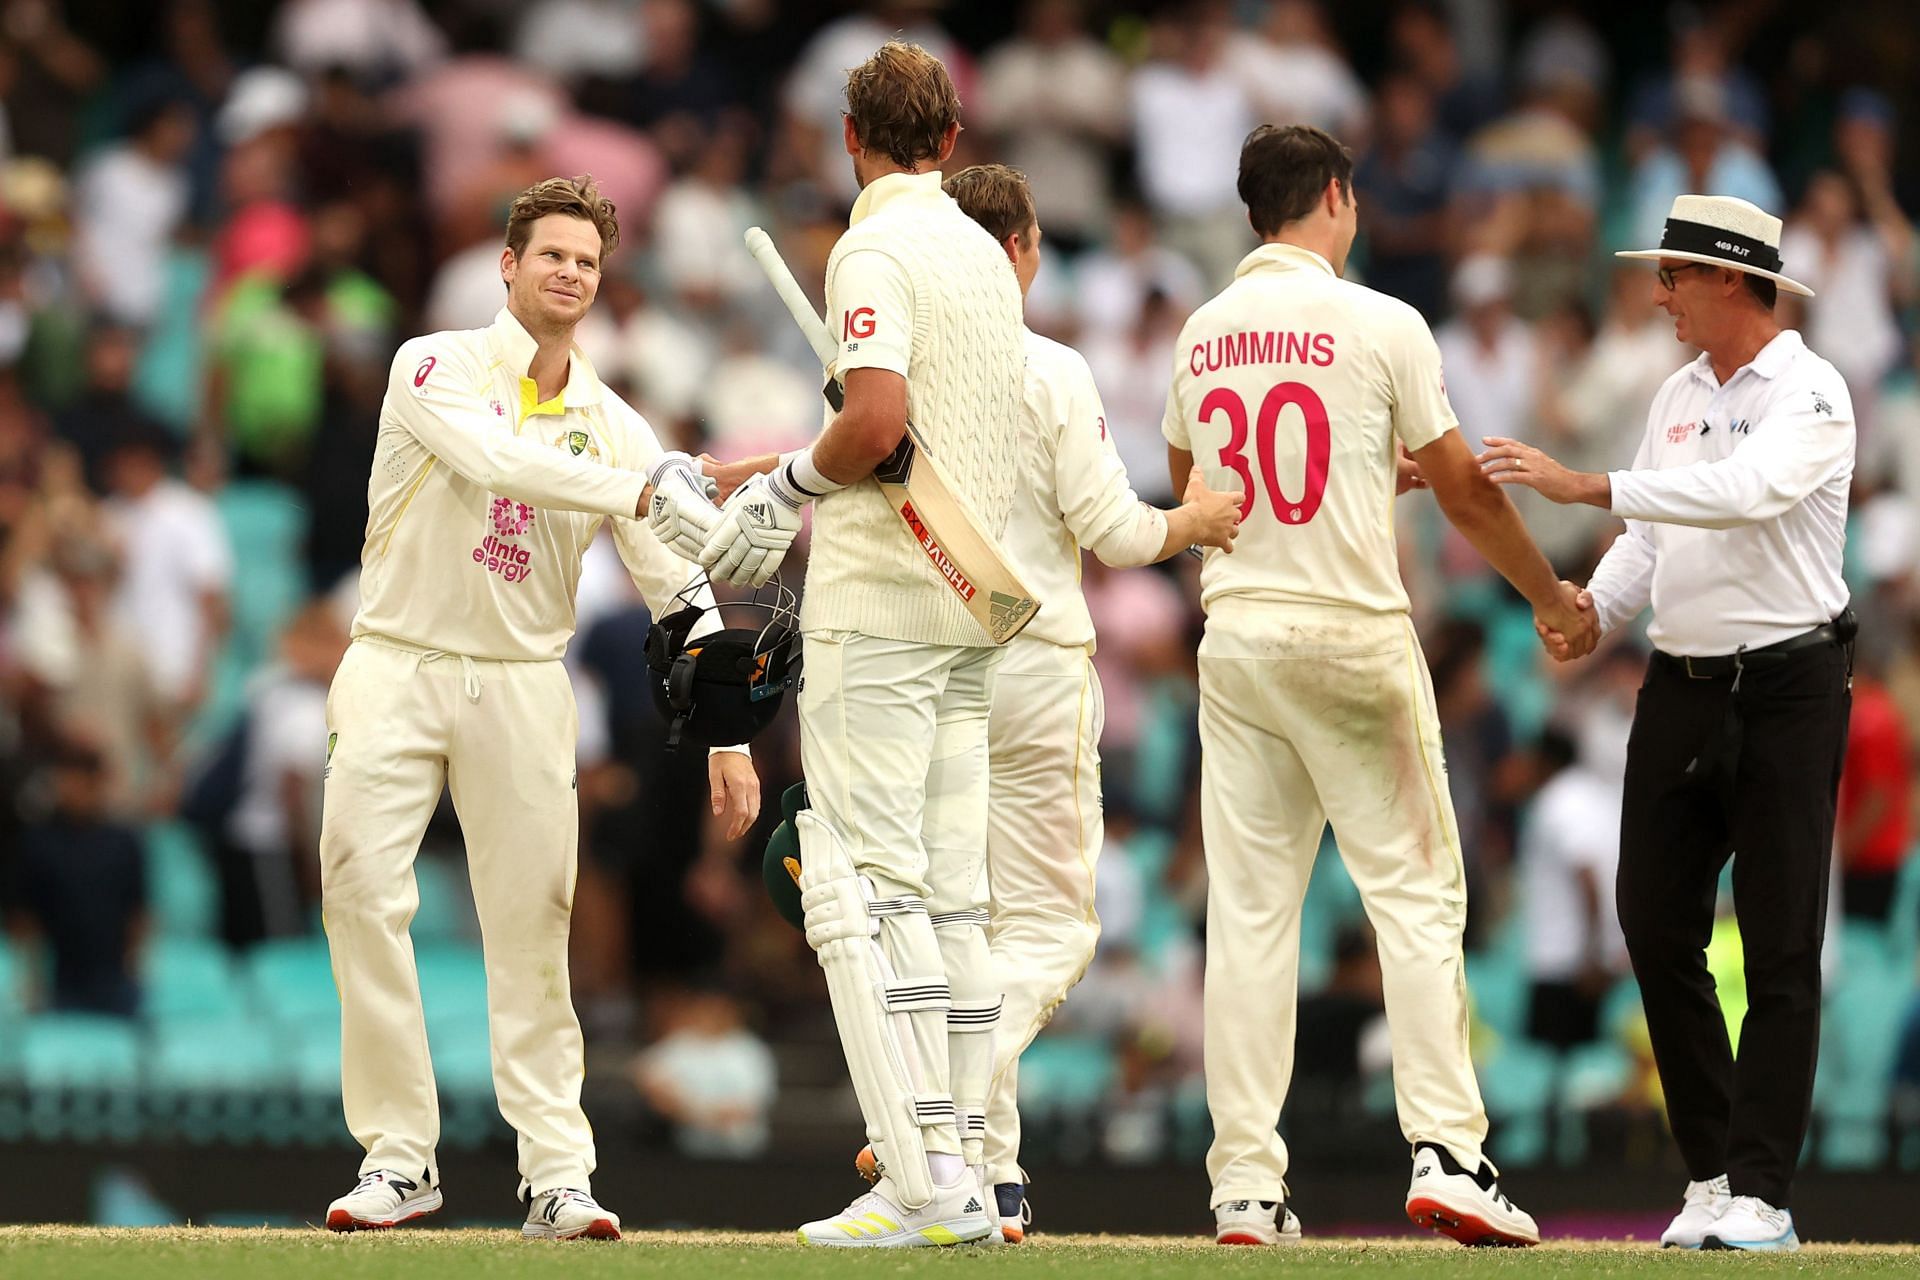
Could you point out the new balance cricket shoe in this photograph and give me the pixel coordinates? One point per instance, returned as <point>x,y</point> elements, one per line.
<point>1750,1223</point>
<point>382,1199</point>
<point>956,1215</point>
<point>1463,1206</point>
<point>1016,1215</point>
<point>1255,1222</point>
<point>1705,1202</point>
<point>566,1213</point>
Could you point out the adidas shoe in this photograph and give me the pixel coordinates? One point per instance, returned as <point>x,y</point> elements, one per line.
<point>1749,1222</point>
<point>380,1200</point>
<point>1016,1215</point>
<point>1706,1201</point>
<point>1255,1222</point>
<point>956,1215</point>
<point>565,1213</point>
<point>1466,1207</point>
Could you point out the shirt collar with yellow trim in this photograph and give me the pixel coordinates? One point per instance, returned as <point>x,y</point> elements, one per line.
<point>516,348</point>
<point>896,187</point>
<point>1769,362</point>
<point>1282,257</point>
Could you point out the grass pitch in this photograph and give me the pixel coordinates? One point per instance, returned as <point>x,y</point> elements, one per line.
<point>215,1253</point>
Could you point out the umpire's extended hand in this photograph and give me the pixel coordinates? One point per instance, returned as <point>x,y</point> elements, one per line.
<point>755,529</point>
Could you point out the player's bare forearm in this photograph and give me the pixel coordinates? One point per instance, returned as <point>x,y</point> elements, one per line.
<point>729,476</point>
<point>1179,467</point>
<point>869,426</point>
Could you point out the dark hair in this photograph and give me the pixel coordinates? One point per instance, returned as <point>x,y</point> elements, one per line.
<point>575,197</point>
<point>1555,748</point>
<point>998,198</point>
<point>902,102</point>
<point>1762,288</point>
<point>1283,170</point>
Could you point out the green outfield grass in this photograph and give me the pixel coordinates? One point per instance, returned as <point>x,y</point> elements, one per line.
<point>215,1253</point>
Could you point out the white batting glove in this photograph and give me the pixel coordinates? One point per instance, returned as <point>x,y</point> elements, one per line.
<point>756,527</point>
<point>681,514</point>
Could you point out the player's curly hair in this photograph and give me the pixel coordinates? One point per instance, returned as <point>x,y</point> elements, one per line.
<point>576,197</point>
<point>998,198</point>
<point>902,102</point>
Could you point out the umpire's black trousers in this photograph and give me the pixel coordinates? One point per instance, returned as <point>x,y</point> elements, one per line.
<point>1763,792</point>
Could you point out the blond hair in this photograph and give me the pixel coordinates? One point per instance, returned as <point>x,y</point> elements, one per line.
<point>902,102</point>
<point>575,197</point>
<point>998,198</point>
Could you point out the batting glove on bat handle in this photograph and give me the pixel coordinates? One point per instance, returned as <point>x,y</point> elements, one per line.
<point>681,513</point>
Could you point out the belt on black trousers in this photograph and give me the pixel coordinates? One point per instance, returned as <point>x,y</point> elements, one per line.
<point>1718,758</point>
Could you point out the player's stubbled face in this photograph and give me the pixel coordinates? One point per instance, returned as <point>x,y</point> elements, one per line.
<point>558,274</point>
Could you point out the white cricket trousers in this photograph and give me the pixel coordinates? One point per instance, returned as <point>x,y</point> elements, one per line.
<point>501,735</point>
<point>893,743</point>
<point>1044,833</point>
<point>1310,716</point>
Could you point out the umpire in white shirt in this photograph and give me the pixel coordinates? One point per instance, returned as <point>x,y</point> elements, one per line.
<point>1736,511</point>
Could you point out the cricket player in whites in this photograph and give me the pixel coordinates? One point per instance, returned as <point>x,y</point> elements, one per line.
<point>1315,705</point>
<point>1044,828</point>
<point>899,678</point>
<point>499,456</point>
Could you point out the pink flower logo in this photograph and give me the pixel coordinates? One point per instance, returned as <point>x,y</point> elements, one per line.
<point>510,518</point>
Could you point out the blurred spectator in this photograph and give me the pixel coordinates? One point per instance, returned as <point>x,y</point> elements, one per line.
<point>1488,354</point>
<point>709,1076</point>
<point>129,201</point>
<point>654,352</point>
<point>1405,182</point>
<point>1874,830</point>
<point>679,93</point>
<point>1054,97</point>
<point>1422,42</point>
<point>753,403</point>
<point>1595,403</point>
<point>1569,848</point>
<point>193,66</point>
<point>83,888</point>
<point>1852,246</point>
<point>265,229</point>
<point>1295,73</point>
<point>1340,1037</point>
<point>175,565</point>
<point>1191,113</point>
<point>576,40</point>
<point>378,40</point>
<point>1704,153</point>
<point>698,228</point>
<point>106,410</point>
<point>1700,58</point>
<point>815,98</point>
<point>1134,369</point>
<point>1114,281</point>
<point>87,663</point>
<point>46,75</point>
<point>268,848</point>
<point>1479,739</point>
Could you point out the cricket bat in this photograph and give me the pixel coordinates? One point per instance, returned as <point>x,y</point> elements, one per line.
<point>938,516</point>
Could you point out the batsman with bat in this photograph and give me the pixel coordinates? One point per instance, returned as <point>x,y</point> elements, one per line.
<point>1315,705</point>
<point>899,672</point>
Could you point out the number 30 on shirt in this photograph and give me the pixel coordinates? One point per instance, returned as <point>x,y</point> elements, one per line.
<point>1319,450</point>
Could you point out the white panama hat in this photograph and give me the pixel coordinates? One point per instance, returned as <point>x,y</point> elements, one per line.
<point>1723,231</point>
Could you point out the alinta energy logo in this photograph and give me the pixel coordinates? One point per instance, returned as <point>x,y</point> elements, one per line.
<point>496,554</point>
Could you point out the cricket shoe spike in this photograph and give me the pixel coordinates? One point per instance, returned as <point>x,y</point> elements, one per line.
<point>1016,1215</point>
<point>382,1199</point>
<point>1255,1222</point>
<point>1466,1207</point>
<point>566,1213</point>
<point>876,1220</point>
<point>1750,1223</point>
<point>1705,1202</point>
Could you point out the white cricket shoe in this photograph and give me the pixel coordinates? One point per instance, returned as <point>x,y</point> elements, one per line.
<point>1255,1222</point>
<point>1748,1222</point>
<point>565,1213</point>
<point>1706,1201</point>
<point>380,1200</point>
<point>956,1215</point>
<point>1466,1207</point>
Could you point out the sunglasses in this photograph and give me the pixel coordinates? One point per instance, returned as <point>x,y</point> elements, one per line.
<point>1665,275</point>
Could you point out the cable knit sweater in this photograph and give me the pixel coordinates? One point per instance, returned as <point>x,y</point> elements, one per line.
<point>918,287</point>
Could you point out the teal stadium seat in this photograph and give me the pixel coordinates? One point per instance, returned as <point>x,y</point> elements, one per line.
<point>1517,1083</point>
<point>192,979</point>
<point>216,1054</point>
<point>292,981</point>
<point>1860,1036</point>
<point>181,884</point>
<point>82,1075</point>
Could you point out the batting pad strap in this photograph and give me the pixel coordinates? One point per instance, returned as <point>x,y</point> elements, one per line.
<point>973,1124</point>
<point>897,906</point>
<point>970,1016</point>
<point>960,919</point>
<point>916,995</point>
<point>930,1109</point>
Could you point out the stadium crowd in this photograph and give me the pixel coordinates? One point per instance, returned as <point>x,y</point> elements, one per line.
<point>218,221</point>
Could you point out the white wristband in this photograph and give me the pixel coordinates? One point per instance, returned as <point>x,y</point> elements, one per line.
<point>796,481</point>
